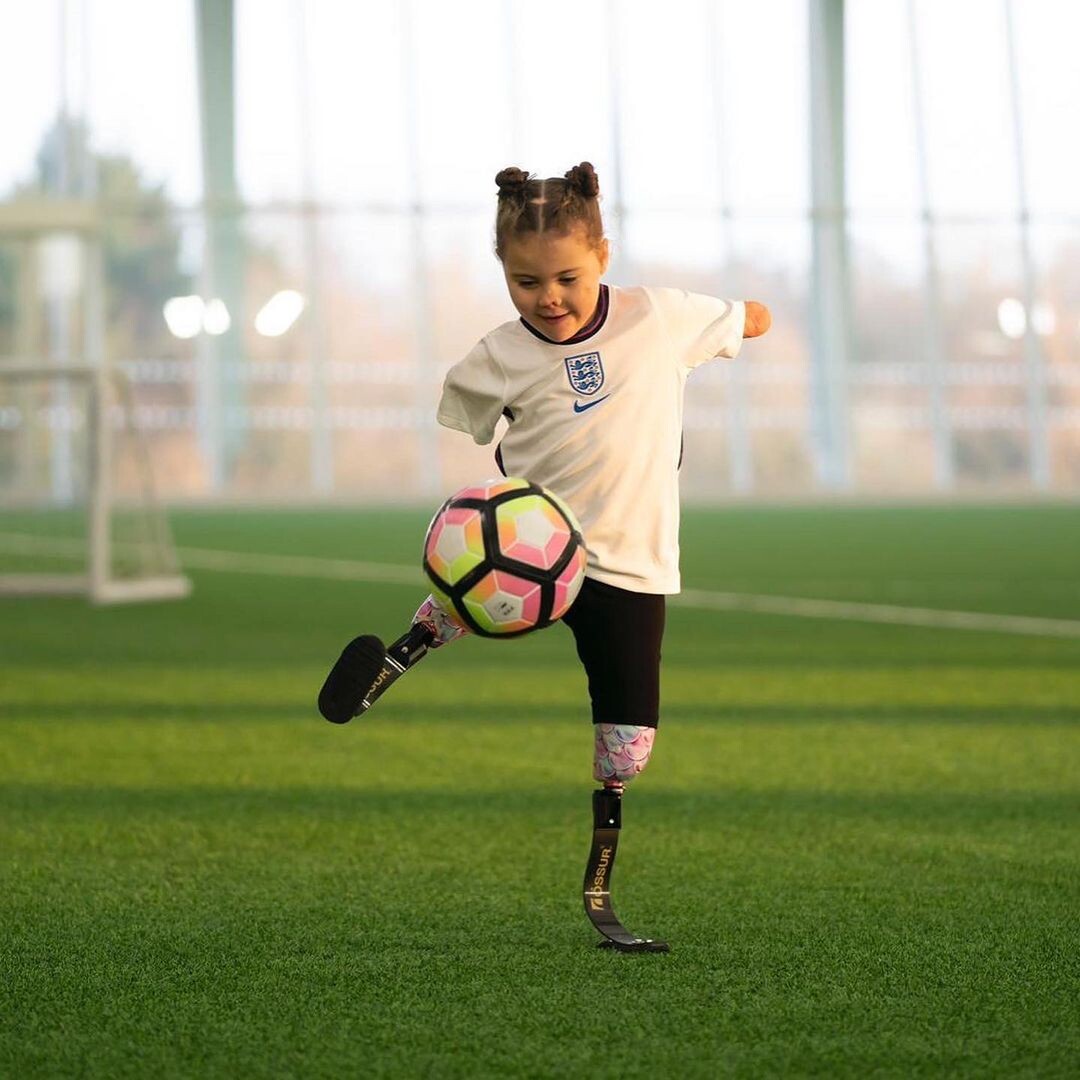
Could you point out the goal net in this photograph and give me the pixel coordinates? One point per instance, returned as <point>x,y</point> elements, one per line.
<point>78,515</point>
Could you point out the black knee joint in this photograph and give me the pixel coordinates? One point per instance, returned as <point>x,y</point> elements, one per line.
<point>607,809</point>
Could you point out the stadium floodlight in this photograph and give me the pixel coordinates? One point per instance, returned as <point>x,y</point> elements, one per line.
<point>279,313</point>
<point>184,315</point>
<point>1043,318</point>
<point>1012,318</point>
<point>216,318</point>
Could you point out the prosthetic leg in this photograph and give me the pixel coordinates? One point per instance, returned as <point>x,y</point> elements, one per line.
<point>607,821</point>
<point>366,669</point>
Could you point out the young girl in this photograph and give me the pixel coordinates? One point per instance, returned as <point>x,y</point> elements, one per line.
<point>590,379</point>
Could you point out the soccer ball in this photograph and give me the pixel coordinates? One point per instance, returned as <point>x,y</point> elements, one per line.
<point>505,557</point>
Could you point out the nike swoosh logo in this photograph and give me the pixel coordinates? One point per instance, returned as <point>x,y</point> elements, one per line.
<point>578,407</point>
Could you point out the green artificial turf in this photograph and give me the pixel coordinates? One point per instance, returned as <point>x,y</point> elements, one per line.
<point>862,841</point>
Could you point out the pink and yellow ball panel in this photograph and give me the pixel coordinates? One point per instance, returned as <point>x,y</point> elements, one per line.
<point>568,584</point>
<point>490,488</point>
<point>503,603</point>
<point>532,531</point>
<point>455,544</point>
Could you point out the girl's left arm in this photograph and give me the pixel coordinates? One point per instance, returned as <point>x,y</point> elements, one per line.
<point>758,319</point>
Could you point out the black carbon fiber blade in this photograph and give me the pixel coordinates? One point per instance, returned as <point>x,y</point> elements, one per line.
<point>607,821</point>
<point>366,669</point>
<point>343,694</point>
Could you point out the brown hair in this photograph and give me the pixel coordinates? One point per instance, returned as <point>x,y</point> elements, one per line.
<point>558,204</point>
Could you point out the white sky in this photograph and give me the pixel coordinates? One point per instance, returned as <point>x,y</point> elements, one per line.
<point>494,84</point>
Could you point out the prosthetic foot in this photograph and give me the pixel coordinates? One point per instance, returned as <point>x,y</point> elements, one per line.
<point>366,669</point>
<point>607,820</point>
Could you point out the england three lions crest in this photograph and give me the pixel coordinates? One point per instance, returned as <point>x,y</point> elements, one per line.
<point>586,372</point>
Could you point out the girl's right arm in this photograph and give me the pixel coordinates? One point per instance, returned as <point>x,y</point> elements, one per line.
<point>473,395</point>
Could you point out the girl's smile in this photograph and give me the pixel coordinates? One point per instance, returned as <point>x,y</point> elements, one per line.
<point>554,280</point>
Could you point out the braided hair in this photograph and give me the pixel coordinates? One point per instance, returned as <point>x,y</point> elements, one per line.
<point>558,204</point>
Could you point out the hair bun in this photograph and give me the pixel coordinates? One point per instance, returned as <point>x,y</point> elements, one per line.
<point>583,179</point>
<point>511,182</point>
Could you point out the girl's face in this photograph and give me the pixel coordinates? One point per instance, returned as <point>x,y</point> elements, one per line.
<point>554,280</point>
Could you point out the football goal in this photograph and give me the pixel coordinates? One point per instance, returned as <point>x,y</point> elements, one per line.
<point>78,513</point>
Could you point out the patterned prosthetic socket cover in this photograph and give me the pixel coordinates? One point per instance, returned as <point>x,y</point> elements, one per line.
<point>442,624</point>
<point>622,751</point>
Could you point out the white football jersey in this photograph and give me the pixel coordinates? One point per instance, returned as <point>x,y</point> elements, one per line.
<point>598,419</point>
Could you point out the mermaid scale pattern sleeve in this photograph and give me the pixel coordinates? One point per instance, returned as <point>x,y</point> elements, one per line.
<point>472,395</point>
<point>621,751</point>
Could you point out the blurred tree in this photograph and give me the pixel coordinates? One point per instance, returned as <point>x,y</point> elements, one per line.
<point>8,269</point>
<point>140,237</point>
<point>142,253</point>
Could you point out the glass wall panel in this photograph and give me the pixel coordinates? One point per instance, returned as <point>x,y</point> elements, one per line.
<point>981,291</point>
<point>357,86</point>
<point>269,100</point>
<point>142,90</point>
<point>967,111</point>
<point>1056,256</point>
<point>265,384</point>
<point>666,112</point>
<point>882,159</point>
<point>776,370</point>
<point>1047,33</point>
<point>668,247</point>
<point>460,74</point>
<point>466,297</point>
<point>893,357</point>
<point>763,52</point>
<point>560,100</point>
<point>11,255</point>
<point>157,260</point>
<point>31,74</point>
<point>1056,321</point>
<point>277,259</point>
<point>368,137</point>
<point>365,270</point>
<point>980,272</point>
<point>371,326</point>
<point>889,298</point>
<point>466,290</point>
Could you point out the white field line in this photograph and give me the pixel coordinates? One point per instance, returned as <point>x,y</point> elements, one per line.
<point>300,566</point>
<point>850,611</point>
<point>396,574</point>
<point>232,561</point>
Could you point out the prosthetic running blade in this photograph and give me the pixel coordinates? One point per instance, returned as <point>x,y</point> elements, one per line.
<point>366,669</point>
<point>607,821</point>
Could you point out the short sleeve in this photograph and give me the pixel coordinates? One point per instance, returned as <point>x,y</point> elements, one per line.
<point>703,327</point>
<point>472,396</point>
